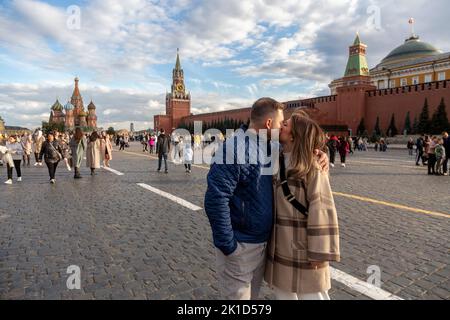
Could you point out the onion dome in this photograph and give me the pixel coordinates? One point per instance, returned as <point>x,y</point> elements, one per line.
<point>412,49</point>
<point>68,106</point>
<point>91,106</point>
<point>57,106</point>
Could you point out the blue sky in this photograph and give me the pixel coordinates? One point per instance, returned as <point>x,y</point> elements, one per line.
<point>232,51</point>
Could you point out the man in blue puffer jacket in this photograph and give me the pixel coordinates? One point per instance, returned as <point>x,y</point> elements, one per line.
<point>239,201</point>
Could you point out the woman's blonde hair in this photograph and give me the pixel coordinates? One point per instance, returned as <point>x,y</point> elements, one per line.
<point>307,136</point>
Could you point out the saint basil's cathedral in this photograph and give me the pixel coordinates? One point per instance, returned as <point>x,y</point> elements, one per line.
<point>73,114</point>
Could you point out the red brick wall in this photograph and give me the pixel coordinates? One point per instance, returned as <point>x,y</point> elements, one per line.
<point>239,114</point>
<point>163,121</point>
<point>383,103</point>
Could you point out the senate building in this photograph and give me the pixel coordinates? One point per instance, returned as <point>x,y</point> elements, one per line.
<point>397,86</point>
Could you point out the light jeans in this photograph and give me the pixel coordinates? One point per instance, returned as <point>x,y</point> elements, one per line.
<point>284,295</point>
<point>241,273</point>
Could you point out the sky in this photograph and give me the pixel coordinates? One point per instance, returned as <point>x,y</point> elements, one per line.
<point>232,52</point>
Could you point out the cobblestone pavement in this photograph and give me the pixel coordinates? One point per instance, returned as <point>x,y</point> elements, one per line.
<point>131,243</point>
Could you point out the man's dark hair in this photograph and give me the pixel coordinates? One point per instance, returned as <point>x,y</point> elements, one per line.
<point>161,130</point>
<point>264,108</point>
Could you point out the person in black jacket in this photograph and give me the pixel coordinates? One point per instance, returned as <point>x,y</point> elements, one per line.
<point>419,145</point>
<point>52,152</point>
<point>446,139</point>
<point>162,149</point>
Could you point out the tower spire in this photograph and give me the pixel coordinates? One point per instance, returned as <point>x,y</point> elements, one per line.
<point>357,62</point>
<point>178,64</point>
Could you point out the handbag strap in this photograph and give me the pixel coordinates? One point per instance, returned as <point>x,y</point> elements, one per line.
<point>287,192</point>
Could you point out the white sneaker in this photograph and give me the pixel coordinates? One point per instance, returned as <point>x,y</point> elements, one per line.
<point>40,164</point>
<point>69,168</point>
<point>343,165</point>
<point>53,181</point>
<point>332,165</point>
<point>36,164</point>
<point>19,179</point>
<point>9,181</point>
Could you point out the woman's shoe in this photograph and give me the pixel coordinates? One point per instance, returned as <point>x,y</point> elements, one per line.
<point>19,179</point>
<point>9,181</point>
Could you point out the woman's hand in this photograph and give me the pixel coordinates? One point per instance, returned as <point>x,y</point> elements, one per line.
<point>323,160</point>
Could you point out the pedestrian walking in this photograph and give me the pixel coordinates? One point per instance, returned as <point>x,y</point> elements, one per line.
<point>78,148</point>
<point>344,149</point>
<point>333,145</point>
<point>106,149</point>
<point>93,156</point>
<point>446,139</point>
<point>162,149</point>
<point>38,140</point>
<point>188,154</point>
<point>52,153</point>
<point>410,146</point>
<point>27,146</point>
<point>419,150</point>
<point>122,143</point>
<point>15,151</point>
<point>305,238</point>
<point>440,157</point>
<point>432,156</point>
<point>64,141</point>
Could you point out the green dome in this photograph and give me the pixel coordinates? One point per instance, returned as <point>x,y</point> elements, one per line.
<point>413,48</point>
<point>57,106</point>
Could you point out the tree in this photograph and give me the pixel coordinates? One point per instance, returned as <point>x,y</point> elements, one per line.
<point>49,127</point>
<point>407,126</point>
<point>111,131</point>
<point>361,128</point>
<point>392,130</point>
<point>439,121</point>
<point>377,130</point>
<point>415,127</point>
<point>424,122</point>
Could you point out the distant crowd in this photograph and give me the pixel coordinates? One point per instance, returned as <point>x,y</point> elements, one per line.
<point>69,147</point>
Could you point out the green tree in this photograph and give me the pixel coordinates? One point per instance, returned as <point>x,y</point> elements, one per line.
<point>361,128</point>
<point>415,127</point>
<point>424,119</point>
<point>111,131</point>
<point>392,129</point>
<point>407,126</point>
<point>377,130</point>
<point>49,127</point>
<point>439,121</point>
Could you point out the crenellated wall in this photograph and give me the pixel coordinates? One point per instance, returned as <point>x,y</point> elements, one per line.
<point>398,101</point>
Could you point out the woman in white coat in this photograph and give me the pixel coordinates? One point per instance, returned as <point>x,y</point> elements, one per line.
<point>93,154</point>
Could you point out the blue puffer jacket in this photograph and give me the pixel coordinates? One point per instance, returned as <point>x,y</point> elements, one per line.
<point>238,201</point>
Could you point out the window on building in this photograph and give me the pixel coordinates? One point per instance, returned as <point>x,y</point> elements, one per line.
<point>392,84</point>
<point>404,82</point>
<point>381,84</point>
<point>441,76</point>
<point>428,78</point>
<point>415,80</point>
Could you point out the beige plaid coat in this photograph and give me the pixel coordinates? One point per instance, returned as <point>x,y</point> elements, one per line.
<point>297,240</point>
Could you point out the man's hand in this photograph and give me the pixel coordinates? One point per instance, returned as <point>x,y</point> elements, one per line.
<point>323,160</point>
<point>316,264</point>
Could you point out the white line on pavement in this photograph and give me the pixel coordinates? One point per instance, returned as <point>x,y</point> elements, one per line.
<point>365,288</point>
<point>113,171</point>
<point>169,196</point>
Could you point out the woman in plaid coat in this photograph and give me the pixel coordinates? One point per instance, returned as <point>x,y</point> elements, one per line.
<point>302,244</point>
